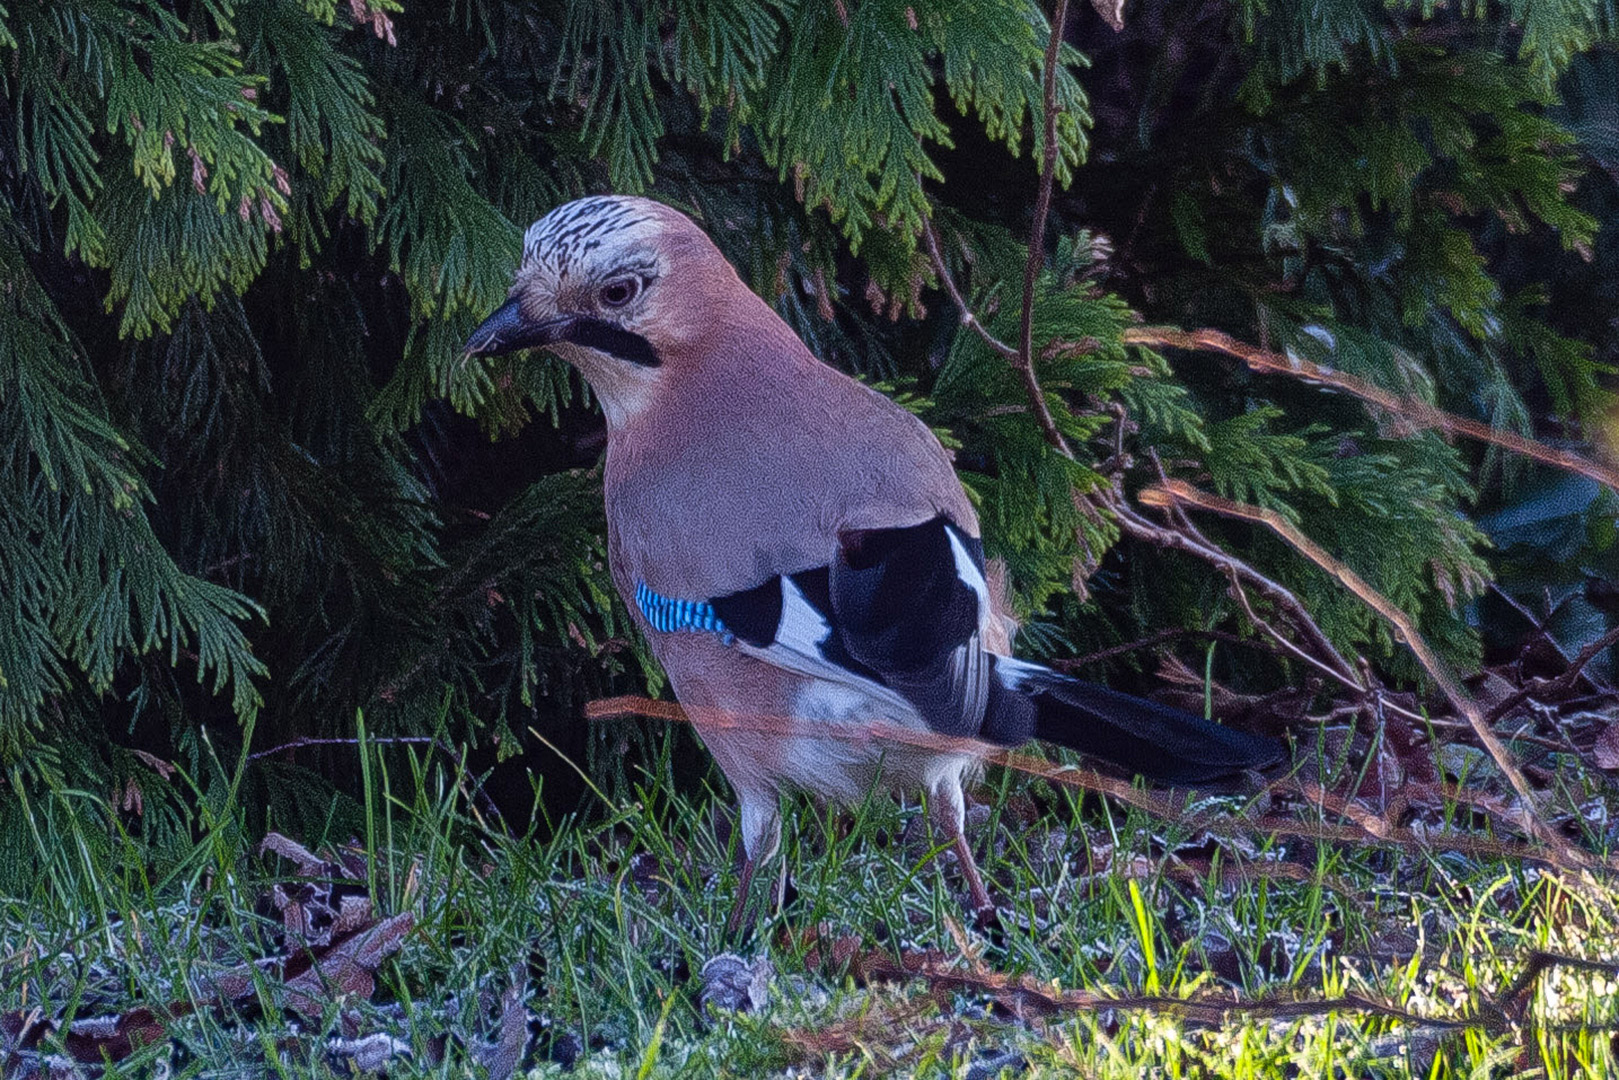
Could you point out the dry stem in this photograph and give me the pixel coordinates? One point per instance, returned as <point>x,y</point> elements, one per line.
<point>1037,239</point>
<point>1188,539</point>
<point>1172,491</point>
<point>1418,413</point>
<point>1029,998</point>
<point>1562,683</point>
<point>930,237</point>
<point>1165,806</point>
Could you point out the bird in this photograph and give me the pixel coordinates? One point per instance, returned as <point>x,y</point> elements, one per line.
<point>797,546</point>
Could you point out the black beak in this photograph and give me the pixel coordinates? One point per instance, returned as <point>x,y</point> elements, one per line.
<point>507,331</point>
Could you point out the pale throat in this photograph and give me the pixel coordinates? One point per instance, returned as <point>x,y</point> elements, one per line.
<point>625,390</point>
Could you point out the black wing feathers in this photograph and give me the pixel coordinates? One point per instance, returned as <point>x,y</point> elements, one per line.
<point>1146,738</point>
<point>901,608</point>
<point>898,600</point>
<point>752,614</point>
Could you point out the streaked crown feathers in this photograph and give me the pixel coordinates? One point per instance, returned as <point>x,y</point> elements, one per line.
<point>569,234</point>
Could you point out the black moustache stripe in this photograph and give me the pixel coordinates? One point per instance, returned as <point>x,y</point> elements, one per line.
<point>613,340</point>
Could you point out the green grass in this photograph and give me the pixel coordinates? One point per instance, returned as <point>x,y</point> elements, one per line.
<point>611,918</point>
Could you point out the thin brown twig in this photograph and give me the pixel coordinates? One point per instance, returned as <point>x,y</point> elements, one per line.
<point>1300,617</point>
<point>1418,413</point>
<point>1194,543</point>
<point>1022,357</point>
<point>1024,994</point>
<point>1228,826</point>
<point>1411,791</point>
<point>1178,490</point>
<point>1165,806</point>
<point>1037,238</point>
<point>1276,635</point>
<point>1385,702</point>
<point>930,237</point>
<point>1187,537</point>
<point>1210,1009</point>
<point>1172,634</point>
<point>1562,683</point>
<point>476,790</point>
<point>1442,724</point>
<point>416,740</point>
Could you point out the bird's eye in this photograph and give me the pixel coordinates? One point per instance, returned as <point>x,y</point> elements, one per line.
<point>618,293</point>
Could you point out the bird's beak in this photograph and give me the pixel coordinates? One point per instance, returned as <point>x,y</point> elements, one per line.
<point>508,330</point>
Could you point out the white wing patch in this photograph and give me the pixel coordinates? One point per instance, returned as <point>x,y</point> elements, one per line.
<point>1018,674</point>
<point>969,670</point>
<point>797,648</point>
<point>802,629</point>
<point>969,666</point>
<point>968,571</point>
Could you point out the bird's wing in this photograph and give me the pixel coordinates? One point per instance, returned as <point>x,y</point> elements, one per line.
<point>896,614</point>
<point>908,604</point>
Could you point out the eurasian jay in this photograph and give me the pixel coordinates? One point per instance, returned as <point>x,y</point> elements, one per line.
<point>796,545</point>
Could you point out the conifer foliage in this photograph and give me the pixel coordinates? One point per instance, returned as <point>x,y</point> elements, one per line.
<point>247,479</point>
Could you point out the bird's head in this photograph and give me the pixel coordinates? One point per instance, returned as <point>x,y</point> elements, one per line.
<point>619,286</point>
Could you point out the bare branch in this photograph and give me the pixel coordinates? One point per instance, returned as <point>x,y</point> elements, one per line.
<point>1179,491</point>
<point>1022,357</point>
<point>1169,805</point>
<point>1562,683</point>
<point>931,237</point>
<point>1327,657</point>
<point>475,790</point>
<point>1037,238</point>
<point>1339,668</point>
<point>397,740</point>
<point>1418,413</point>
<point>1075,663</point>
<point>1030,999</point>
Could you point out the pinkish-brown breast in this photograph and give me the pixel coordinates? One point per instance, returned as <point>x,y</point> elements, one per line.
<point>753,469</point>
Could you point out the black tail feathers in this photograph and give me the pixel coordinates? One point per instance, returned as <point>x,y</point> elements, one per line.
<point>1151,740</point>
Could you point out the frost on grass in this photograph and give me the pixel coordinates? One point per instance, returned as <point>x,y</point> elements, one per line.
<point>1128,942</point>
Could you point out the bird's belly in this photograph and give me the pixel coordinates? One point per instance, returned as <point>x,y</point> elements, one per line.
<point>838,749</point>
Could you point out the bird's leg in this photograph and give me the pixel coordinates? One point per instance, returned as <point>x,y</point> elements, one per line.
<point>983,908</point>
<point>784,891</point>
<point>950,815</point>
<point>744,886</point>
<point>761,839</point>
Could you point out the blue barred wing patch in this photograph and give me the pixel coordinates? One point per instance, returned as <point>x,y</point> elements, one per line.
<point>669,615</point>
